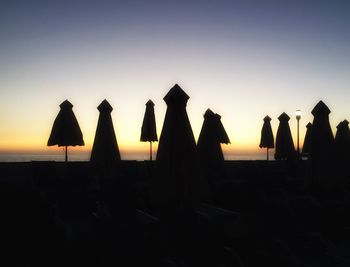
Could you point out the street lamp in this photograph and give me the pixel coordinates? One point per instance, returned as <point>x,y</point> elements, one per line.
<point>298,117</point>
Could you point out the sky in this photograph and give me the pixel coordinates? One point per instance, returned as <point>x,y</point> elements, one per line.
<point>242,59</point>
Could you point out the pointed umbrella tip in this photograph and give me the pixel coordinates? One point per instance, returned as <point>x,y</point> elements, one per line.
<point>176,95</point>
<point>150,103</point>
<point>320,108</point>
<point>105,107</point>
<point>340,124</point>
<point>343,123</point>
<point>66,104</point>
<point>284,117</point>
<point>267,118</point>
<point>208,113</point>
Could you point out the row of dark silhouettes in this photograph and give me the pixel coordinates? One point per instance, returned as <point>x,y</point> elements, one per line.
<point>66,131</point>
<point>179,155</point>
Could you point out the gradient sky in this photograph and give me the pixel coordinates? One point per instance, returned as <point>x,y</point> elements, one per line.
<point>242,59</point>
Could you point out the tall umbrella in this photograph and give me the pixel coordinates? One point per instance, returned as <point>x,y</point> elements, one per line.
<point>267,139</point>
<point>321,149</point>
<point>65,130</point>
<point>284,142</point>
<point>210,138</point>
<point>342,149</point>
<point>177,182</point>
<point>105,149</point>
<point>342,140</point>
<point>148,129</point>
<point>307,139</point>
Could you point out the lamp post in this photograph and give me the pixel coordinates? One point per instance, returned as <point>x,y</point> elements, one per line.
<point>298,117</point>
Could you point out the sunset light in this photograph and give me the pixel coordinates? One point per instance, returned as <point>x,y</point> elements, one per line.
<point>243,62</point>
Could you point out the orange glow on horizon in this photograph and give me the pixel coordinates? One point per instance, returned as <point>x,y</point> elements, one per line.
<point>142,148</point>
<point>36,145</point>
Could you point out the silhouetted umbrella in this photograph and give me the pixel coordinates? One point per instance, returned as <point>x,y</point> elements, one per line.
<point>105,149</point>
<point>321,149</point>
<point>342,151</point>
<point>211,136</point>
<point>284,141</point>
<point>65,130</point>
<point>148,129</point>
<point>178,183</point>
<point>342,138</point>
<point>342,143</point>
<point>307,139</point>
<point>267,139</point>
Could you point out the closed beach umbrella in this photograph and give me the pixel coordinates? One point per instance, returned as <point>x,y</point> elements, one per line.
<point>342,149</point>
<point>342,140</point>
<point>307,139</point>
<point>321,150</point>
<point>65,130</point>
<point>211,137</point>
<point>284,142</point>
<point>105,149</point>
<point>148,129</point>
<point>267,139</point>
<point>177,182</point>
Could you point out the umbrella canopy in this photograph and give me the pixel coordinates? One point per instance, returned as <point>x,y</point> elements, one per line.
<point>148,129</point>
<point>321,149</point>
<point>105,149</point>
<point>322,135</point>
<point>65,130</point>
<point>342,140</point>
<point>211,136</point>
<point>177,182</point>
<point>267,139</point>
<point>342,151</point>
<point>307,139</point>
<point>284,141</point>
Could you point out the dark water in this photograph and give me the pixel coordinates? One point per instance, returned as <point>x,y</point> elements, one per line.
<point>85,156</point>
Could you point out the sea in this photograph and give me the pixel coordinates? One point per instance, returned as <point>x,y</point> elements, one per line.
<point>85,156</point>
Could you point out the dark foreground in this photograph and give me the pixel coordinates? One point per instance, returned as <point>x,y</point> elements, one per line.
<point>259,214</point>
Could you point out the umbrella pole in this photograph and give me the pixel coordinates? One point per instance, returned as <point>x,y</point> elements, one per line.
<point>267,153</point>
<point>150,150</point>
<point>66,152</point>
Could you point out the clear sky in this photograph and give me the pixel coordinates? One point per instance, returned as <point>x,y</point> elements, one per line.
<point>243,59</point>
